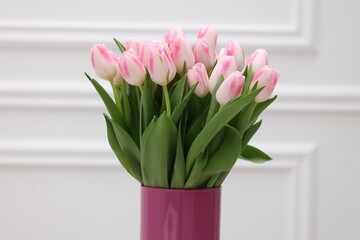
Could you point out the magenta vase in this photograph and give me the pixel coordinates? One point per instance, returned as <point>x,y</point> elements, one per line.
<point>177,214</point>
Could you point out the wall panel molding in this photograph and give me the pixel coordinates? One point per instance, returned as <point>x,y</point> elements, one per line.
<point>62,94</point>
<point>293,36</point>
<point>297,159</point>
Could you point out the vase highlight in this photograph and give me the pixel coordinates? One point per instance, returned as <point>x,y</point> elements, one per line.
<point>178,214</point>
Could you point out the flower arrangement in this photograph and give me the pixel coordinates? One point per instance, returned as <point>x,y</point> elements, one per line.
<point>181,116</point>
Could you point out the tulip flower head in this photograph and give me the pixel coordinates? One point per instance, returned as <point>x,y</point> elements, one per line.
<point>231,88</point>
<point>198,74</point>
<point>258,59</point>
<point>233,48</point>
<point>265,77</point>
<point>204,53</point>
<point>161,130</point>
<point>222,53</point>
<point>133,44</point>
<point>103,62</point>
<point>161,66</point>
<point>131,68</point>
<point>170,36</point>
<point>182,54</point>
<point>210,34</point>
<point>224,67</point>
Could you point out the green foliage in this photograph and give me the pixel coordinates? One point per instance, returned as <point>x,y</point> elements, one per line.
<point>158,148</point>
<point>254,155</point>
<point>220,119</point>
<point>119,45</point>
<point>132,166</point>
<point>178,175</point>
<point>167,137</point>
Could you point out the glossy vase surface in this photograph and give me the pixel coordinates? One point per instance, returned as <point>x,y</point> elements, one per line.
<point>177,214</point>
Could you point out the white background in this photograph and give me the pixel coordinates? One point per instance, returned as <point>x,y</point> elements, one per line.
<point>59,179</point>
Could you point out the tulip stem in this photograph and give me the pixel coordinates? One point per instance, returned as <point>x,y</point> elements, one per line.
<point>141,89</point>
<point>116,95</point>
<point>167,100</point>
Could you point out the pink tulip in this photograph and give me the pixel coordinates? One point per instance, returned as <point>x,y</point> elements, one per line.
<point>182,53</point>
<point>133,44</point>
<point>210,34</point>
<point>231,88</point>
<point>198,74</point>
<point>131,68</point>
<point>204,54</point>
<point>222,53</point>
<point>118,79</point>
<point>268,77</point>
<point>170,36</point>
<point>144,52</point>
<point>161,66</point>
<point>258,59</point>
<point>233,48</point>
<point>224,67</point>
<point>103,62</point>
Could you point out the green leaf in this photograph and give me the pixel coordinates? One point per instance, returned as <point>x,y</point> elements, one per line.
<point>214,105</point>
<point>195,129</point>
<point>178,178</point>
<point>221,179</point>
<point>244,118</point>
<point>147,103</point>
<point>127,144</point>
<point>220,119</point>
<point>250,133</point>
<point>196,107</point>
<point>135,116</point>
<point>216,141</point>
<point>249,76</point>
<point>134,94</point>
<point>178,92</point>
<point>109,103</point>
<point>158,148</point>
<point>212,180</point>
<point>254,155</point>
<point>226,155</point>
<point>260,107</point>
<point>132,167</point>
<point>126,103</point>
<point>120,46</point>
<point>196,178</point>
<point>175,116</point>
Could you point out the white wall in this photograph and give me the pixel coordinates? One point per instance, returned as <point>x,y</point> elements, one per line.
<point>59,179</point>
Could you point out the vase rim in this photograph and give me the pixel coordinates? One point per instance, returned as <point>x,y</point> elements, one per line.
<point>182,189</point>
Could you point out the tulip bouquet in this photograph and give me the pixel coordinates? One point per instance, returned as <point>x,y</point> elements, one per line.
<point>181,116</point>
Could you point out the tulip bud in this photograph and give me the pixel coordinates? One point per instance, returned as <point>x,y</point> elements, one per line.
<point>198,74</point>
<point>222,53</point>
<point>210,34</point>
<point>170,36</point>
<point>224,67</point>
<point>204,54</point>
<point>103,63</point>
<point>133,44</point>
<point>118,79</point>
<point>233,48</point>
<point>144,53</point>
<point>258,59</point>
<point>265,77</point>
<point>131,68</point>
<point>231,88</point>
<point>161,66</point>
<point>182,53</point>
